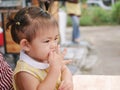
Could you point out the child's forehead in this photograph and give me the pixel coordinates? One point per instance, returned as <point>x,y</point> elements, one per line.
<point>45,24</point>
<point>48,31</point>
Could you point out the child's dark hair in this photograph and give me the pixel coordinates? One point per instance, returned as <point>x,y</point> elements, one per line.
<point>27,21</point>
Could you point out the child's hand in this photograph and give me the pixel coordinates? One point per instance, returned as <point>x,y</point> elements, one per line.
<point>63,53</point>
<point>56,58</point>
<point>66,85</point>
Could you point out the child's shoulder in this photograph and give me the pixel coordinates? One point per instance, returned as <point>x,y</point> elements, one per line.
<point>21,66</point>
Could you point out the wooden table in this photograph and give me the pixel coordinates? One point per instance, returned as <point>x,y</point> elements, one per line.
<point>96,82</point>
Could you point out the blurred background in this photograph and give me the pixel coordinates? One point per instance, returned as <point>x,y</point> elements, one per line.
<point>98,52</point>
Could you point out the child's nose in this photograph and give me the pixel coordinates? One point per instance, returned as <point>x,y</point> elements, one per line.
<point>53,45</point>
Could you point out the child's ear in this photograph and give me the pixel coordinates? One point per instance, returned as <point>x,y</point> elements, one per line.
<point>24,44</point>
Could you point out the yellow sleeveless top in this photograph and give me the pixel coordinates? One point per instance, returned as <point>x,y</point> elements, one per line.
<point>39,74</point>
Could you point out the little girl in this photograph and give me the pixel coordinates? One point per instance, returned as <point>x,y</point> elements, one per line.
<point>41,65</point>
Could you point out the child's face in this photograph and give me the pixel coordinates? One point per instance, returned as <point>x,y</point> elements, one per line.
<point>44,42</point>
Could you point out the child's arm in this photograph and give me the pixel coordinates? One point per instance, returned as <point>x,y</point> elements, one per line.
<point>66,76</point>
<point>67,82</point>
<point>26,81</point>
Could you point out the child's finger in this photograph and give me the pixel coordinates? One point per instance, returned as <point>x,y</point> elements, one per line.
<point>58,49</point>
<point>50,56</point>
<point>67,61</point>
<point>64,52</point>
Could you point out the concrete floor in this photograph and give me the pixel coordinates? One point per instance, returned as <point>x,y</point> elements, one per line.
<point>106,40</point>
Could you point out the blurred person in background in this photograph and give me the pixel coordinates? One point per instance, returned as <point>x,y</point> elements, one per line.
<point>73,9</point>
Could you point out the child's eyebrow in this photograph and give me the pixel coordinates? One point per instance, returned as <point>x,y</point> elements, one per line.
<point>55,36</point>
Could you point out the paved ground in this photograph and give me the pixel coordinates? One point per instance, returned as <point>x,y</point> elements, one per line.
<point>107,43</point>
<point>99,56</point>
<point>106,40</point>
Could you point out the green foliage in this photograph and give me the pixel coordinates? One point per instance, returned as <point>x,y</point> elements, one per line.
<point>101,16</point>
<point>83,1</point>
<point>95,15</point>
<point>69,22</point>
<point>86,20</point>
<point>116,12</point>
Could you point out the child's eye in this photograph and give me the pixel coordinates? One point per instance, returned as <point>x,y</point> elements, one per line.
<point>56,38</point>
<point>47,41</point>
